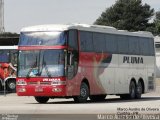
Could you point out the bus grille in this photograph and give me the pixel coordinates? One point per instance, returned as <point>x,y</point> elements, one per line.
<point>39,83</point>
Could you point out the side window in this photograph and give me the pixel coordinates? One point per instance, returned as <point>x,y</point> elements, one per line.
<point>111,43</point>
<point>72,40</point>
<point>122,44</point>
<point>86,43</point>
<point>134,45</point>
<point>72,55</point>
<point>99,42</point>
<point>4,55</point>
<point>151,47</point>
<point>144,43</point>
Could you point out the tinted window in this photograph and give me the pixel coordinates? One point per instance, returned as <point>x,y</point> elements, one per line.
<point>99,42</point>
<point>144,43</point>
<point>117,44</point>
<point>72,40</point>
<point>122,44</point>
<point>111,43</point>
<point>151,47</point>
<point>42,38</point>
<point>86,43</point>
<point>4,55</point>
<point>134,45</point>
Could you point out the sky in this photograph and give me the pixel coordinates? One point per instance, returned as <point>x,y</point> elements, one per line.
<point>23,13</point>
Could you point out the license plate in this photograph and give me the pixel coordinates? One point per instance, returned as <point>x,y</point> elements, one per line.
<point>39,89</point>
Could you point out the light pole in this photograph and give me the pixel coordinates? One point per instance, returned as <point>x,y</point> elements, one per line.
<point>1,16</point>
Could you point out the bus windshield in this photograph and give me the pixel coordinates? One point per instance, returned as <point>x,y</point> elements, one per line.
<point>42,38</point>
<point>41,63</point>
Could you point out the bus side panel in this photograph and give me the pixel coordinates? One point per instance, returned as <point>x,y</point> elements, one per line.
<point>113,77</point>
<point>99,69</point>
<point>108,77</point>
<point>85,72</point>
<point>123,75</point>
<point>151,65</point>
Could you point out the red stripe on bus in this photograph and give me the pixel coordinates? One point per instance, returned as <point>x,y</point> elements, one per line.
<point>40,47</point>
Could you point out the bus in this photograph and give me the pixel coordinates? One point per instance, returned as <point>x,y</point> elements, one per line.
<point>84,62</point>
<point>8,63</point>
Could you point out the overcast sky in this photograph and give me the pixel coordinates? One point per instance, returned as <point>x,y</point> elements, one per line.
<point>22,13</point>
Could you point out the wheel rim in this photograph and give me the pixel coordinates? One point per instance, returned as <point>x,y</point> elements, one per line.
<point>83,92</point>
<point>12,86</point>
<point>132,90</point>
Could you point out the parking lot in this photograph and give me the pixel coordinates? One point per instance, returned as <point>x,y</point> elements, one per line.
<point>12,104</point>
<point>27,107</point>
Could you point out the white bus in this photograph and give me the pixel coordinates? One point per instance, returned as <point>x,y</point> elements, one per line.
<point>81,61</point>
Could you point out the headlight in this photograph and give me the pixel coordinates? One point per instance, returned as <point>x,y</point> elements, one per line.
<point>21,82</point>
<point>58,82</point>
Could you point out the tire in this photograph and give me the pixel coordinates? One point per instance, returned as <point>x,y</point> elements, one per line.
<point>84,94</point>
<point>1,88</point>
<point>11,85</point>
<point>97,97</point>
<point>132,90</point>
<point>42,99</point>
<point>139,89</point>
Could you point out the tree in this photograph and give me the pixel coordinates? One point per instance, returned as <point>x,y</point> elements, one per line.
<point>155,27</point>
<point>157,22</point>
<point>158,15</point>
<point>129,15</point>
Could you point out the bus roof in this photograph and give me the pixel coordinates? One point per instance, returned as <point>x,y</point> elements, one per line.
<point>85,27</point>
<point>8,47</point>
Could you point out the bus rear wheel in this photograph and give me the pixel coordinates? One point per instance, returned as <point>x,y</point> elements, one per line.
<point>97,97</point>
<point>139,89</point>
<point>84,94</point>
<point>42,99</point>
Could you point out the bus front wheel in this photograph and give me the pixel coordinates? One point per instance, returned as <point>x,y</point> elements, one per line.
<point>1,87</point>
<point>84,94</point>
<point>132,90</point>
<point>42,99</point>
<point>11,85</point>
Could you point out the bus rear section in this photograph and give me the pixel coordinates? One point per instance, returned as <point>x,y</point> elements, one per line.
<point>84,61</point>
